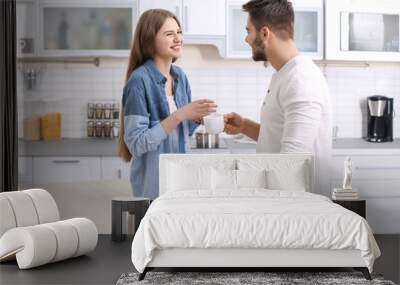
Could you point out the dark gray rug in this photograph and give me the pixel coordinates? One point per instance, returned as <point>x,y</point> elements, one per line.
<point>243,278</point>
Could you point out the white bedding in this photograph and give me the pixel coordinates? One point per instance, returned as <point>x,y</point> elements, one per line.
<point>252,218</point>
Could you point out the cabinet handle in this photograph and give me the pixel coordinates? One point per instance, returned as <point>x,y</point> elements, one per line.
<point>177,12</point>
<point>66,161</point>
<point>119,174</point>
<point>186,19</point>
<point>378,168</point>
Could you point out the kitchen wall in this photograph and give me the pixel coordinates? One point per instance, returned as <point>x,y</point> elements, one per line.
<point>236,85</point>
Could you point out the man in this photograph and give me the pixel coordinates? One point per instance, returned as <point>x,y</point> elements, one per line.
<point>296,112</point>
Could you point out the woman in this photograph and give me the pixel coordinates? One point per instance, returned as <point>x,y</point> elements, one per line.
<point>157,113</point>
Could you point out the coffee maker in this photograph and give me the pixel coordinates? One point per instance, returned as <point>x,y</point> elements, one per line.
<point>380,119</point>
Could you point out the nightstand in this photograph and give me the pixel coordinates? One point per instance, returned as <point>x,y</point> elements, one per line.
<point>357,206</point>
<point>136,205</point>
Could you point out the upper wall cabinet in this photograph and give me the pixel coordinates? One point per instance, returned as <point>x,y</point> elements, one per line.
<point>174,6</point>
<point>86,28</point>
<point>308,28</point>
<point>364,30</point>
<point>26,28</point>
<point>206,17</point>
<point>236,21</point>
<point>203,22</point>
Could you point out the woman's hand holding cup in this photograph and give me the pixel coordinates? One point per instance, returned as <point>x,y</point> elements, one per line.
<point>196,110</point>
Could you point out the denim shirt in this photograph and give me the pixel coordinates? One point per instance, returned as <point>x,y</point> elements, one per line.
<point>145,105</point>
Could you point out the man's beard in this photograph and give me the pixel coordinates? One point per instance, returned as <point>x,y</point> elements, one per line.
<point>259,50</point>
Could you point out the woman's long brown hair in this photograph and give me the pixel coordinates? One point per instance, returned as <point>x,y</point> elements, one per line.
<point>143,48</point>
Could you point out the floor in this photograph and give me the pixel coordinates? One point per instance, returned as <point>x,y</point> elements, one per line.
<point>110,260</point>
<point>103,266</point>
<point>389,262</point>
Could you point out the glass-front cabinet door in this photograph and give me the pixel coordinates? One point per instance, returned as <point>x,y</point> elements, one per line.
<point>367,30</point>
<point>308,28</point>
<point>86,28</point>
<point>236,21</point>
<point>26,11</point>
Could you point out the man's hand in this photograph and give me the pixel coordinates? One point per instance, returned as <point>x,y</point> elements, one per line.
<point>234,123</point>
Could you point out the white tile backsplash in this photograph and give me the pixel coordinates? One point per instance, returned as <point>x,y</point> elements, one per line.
<point>67,88</point>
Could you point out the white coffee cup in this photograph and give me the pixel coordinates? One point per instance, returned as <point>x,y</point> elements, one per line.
<point>214,123</point>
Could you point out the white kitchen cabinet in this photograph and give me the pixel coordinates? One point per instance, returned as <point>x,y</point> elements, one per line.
<point>25,174</point>
<point>26,12</point>
<point>86,27</point>
<point>203,22</point>
<point>174,6</point>
<point>49,170</point>
<point>205,17</point>
<point>83,186</point>
<point>236,21</point>
<point>114,168</point>
<point>366,30</point>
<point>308,28</point>
<point>377,179</point>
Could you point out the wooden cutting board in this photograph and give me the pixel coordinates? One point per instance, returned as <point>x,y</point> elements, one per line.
<point>50,126</point>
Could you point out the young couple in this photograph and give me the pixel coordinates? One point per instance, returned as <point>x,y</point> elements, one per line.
<point>158,115</point>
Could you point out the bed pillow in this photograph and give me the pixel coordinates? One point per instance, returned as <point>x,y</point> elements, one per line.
<point>229,179</point>
<point>282,174</point>
<point>223,179</point>
<point>183,177</point>
<point>279,181</point>
<point>293,180</point>
<point>251,178</point>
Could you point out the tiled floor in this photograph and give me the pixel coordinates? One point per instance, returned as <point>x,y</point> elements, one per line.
<point>110,259</point>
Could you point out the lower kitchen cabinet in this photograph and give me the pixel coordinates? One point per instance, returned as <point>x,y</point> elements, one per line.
<point>49,170</point>
<point>39,171</point>
<point>377,179</point>
<point>83,186</point>
<point>114,168</point>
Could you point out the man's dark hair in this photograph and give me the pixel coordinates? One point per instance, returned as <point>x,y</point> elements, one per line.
<point>278,15</point>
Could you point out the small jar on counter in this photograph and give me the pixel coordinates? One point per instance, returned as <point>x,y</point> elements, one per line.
<point>107,111</point>
<point>99,129</point>
<point>115,111</point>
<point>99,111</point>
<point>90,110</point>
<point>90,128</point>
<point>115,129</point>
<point>107,129</point>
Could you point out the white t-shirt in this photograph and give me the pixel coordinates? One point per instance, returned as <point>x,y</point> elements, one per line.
<point>174,134</point>
<point>296,116</point>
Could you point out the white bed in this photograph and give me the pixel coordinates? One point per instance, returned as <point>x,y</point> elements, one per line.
<point>243,211</point>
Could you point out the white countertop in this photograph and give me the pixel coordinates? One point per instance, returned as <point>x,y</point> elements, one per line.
<point>358,146</point>
<point>108,147</point>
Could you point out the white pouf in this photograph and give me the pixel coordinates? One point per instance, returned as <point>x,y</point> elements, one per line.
<point>31,232</point>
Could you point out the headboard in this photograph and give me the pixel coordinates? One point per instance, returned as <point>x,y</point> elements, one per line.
<point>282,164</point>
